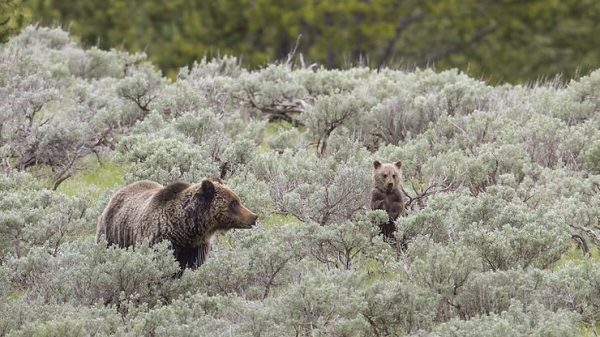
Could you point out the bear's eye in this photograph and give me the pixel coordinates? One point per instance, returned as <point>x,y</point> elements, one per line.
<point>394,176</point>
<point>233,205</point>
<point>385,175</point>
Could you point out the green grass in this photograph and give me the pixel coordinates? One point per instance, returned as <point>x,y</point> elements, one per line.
<point>279,219</point>
<point>586,330</point>
<point>94,179</point>
<point>272,129</point>
<point>575,255</point>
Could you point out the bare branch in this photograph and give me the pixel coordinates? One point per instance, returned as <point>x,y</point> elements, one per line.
<point>291,54</point>
<point>590,232</point>
<point>279,110</point>
<point>422,194</point>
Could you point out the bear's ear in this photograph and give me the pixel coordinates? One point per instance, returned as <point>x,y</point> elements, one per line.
<point>207,189</point>
<point>204,196</point>
<point>398,164</point>
<point>376,164</point>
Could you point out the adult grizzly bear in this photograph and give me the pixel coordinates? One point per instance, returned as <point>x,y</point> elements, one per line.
<point>187,215</point>
<point>386,194</point>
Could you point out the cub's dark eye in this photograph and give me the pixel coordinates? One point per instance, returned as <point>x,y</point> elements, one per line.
<point>394,176</point>
<point>233,205</point>
<point>385,175</point>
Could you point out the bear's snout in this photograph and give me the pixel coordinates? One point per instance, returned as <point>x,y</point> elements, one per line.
<point>247,218</point>
<point>253,219</point>
<point>390,186</point>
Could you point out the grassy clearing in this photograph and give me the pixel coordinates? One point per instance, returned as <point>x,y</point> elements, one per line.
<point>576,255</point>
<point>273,129</point>
<point>586,330</point>
<point>94,179</point>
<point>280,219</point>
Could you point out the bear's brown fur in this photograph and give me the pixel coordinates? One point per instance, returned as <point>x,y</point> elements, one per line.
<point>187,215</point>
<point>386,194</point>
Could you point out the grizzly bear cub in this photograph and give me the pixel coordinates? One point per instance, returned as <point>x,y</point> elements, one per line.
<point>187,215</point>
<point>386,195</point>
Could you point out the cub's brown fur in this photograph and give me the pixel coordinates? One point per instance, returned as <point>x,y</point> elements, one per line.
<point>386,194</point>
<point>187,215</point>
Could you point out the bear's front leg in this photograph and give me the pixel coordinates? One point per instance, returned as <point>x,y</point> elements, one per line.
<point>378,200</point>
<point>190,257</point>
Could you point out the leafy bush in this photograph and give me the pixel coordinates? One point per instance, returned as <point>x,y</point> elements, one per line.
<point>60,105</point>
<point>33,217</point>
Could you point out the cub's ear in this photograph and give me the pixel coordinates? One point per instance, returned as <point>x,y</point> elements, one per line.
<point>398,164</point>
<point>376,164</point>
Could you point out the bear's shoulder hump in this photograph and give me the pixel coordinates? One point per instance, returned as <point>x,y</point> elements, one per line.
<point>170,191</point>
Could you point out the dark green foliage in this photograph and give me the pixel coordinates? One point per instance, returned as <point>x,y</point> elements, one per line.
<point>501,40</point>
<point>12,18</point>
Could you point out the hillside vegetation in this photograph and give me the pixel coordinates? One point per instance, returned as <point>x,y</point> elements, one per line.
<point>502,184</point>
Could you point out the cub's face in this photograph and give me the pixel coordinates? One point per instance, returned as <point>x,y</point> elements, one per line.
<point>386,177</point>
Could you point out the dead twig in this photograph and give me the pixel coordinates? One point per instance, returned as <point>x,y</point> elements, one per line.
<point>422,194</point>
